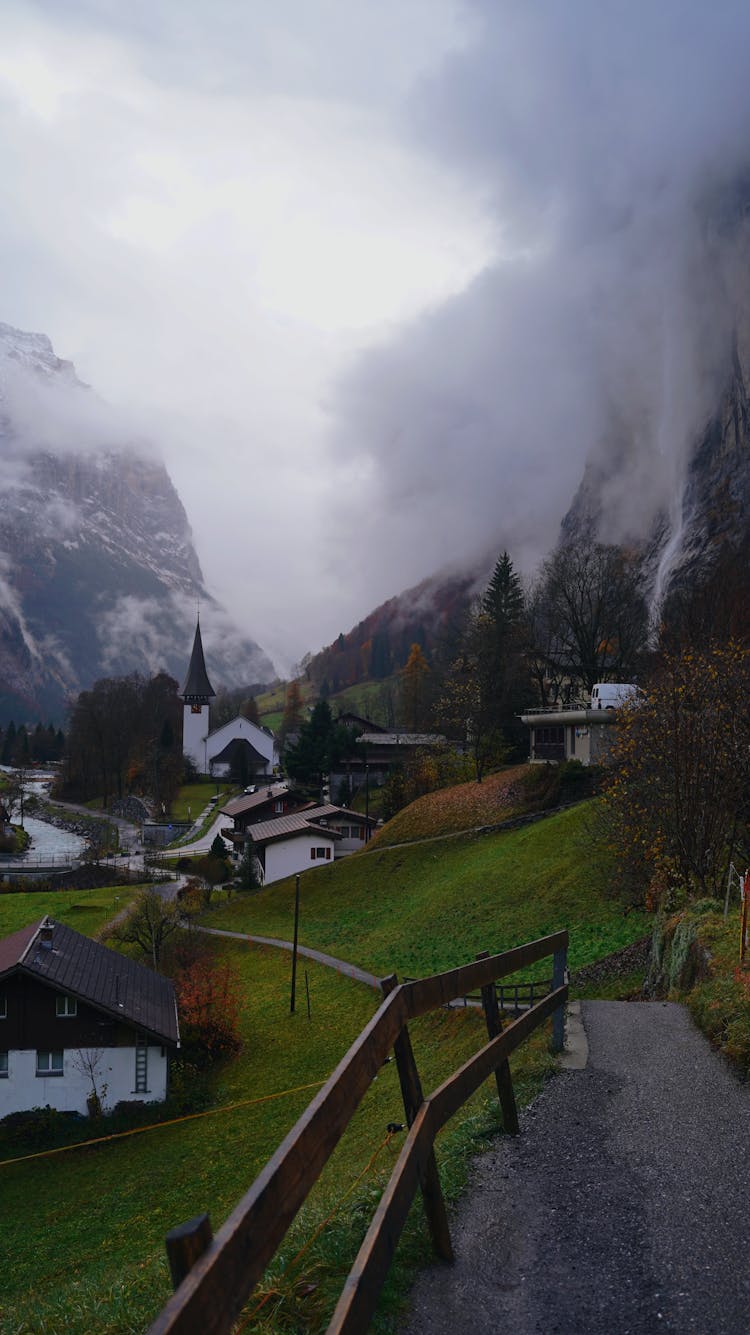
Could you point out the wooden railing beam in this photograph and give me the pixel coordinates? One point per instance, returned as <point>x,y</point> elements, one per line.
<point>429,1177</point>
<point>503,1078</point>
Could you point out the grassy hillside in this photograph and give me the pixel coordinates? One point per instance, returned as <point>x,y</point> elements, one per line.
<point>463,807</point>
<point>86,1228</point>
<point>431,906</point>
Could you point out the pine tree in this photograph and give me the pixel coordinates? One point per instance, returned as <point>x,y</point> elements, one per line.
<point>503,600</point>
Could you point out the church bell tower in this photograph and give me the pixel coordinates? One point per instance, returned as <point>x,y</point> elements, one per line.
<point>197,694</point>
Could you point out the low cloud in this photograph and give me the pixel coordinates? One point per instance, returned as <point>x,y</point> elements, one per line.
<point>612,143</point>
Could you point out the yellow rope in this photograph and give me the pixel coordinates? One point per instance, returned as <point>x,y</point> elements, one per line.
<point>274,1293</point>
<point>156,1126</point>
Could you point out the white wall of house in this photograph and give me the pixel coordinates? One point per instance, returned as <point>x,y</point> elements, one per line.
<point>285,857</point>
<point>23,1088</point>
<point>242,727</point>
<point>353,837</point>
<point>195,725</point>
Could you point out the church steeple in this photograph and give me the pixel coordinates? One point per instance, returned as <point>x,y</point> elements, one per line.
<point>196,688</point>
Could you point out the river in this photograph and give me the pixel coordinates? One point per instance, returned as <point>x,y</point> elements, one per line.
<point>47,842</point>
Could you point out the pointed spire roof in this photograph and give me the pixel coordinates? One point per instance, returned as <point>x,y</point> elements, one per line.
<point>196,686</point>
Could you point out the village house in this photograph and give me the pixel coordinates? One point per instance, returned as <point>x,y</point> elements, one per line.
<point>78,1019</point>
<point>290,844</point>
<point>381,752</point>
<point>260,814</point>
<point>581,733</point>
<point>269,800</point>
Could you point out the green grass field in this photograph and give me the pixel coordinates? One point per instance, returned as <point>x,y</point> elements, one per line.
<point>431,906</point>
<point>87,911</point>
<point>196,796</point>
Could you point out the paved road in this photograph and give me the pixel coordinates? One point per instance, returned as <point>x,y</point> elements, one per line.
<point>622,1208</point>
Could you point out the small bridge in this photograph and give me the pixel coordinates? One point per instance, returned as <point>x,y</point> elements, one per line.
<point>214,1277</point>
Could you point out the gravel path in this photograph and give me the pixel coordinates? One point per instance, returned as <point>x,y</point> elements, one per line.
<point>621,1208</point>
<point>341,966</point>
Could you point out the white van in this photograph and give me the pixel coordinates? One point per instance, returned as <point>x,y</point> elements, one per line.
<point>610,694</point>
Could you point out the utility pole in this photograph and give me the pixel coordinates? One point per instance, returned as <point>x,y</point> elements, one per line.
<point>294,946</point>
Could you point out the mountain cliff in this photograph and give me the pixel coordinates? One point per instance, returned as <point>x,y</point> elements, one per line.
<point>682,503</point>
<point>98,573</point>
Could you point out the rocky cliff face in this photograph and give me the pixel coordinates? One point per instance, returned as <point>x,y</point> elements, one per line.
<point>98,574</point>
<point>692,498</point>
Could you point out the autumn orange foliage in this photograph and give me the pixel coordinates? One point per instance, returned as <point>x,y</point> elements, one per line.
<point>208,1002</point>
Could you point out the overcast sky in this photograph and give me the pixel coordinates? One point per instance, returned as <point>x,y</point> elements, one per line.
<point>377,278</point>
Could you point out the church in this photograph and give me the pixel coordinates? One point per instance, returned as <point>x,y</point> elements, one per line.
<point>237,743</point>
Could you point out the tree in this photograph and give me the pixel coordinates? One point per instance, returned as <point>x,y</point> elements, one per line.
<point>249,710</point>
<point>486,685</point>
<point>467,707</point>
<point>678,803</point>
<point>150,923</point>
<point>591,620</point>
<point>321,745</point>
<point>88,1063</point>
<point>414,676</point>
<point>503,601</point>
<point>294,708</point>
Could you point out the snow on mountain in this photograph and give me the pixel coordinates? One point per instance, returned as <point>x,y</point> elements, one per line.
<point>98,573</point>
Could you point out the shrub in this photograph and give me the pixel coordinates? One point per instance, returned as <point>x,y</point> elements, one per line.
<point>208,1000</point>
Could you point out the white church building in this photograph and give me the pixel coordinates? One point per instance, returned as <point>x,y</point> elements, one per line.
<point>216,752</point>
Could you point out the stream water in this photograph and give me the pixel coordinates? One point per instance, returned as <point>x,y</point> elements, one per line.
<point>47,842</point>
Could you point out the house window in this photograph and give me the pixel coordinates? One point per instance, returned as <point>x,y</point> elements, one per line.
<point>319,853</point>
<point>278,808</point>
<point>65,1005</point>
<point>3,1006</point>
<point>49,1063</point>
<point>3,1066</point>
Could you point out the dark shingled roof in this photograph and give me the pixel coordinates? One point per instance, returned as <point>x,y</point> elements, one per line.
<point>232,751</point>
<point>196,685</point>
<point>105,979</point>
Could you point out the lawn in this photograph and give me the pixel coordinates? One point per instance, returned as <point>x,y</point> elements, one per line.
<point>86,1228</point>
<point>196,796</point>
<point>427,907</point>
<point>87,911</point>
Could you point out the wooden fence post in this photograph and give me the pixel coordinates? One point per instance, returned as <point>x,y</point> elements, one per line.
<point>559,969</point>
<point>503,1077</point>
<point>411,1091</point>
<point>186,1244</point>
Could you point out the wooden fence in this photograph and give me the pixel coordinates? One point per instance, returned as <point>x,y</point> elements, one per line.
<point>214,1277</point>
<point>511,999</point>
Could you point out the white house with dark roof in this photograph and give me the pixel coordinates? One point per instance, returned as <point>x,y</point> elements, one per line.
<point>215,752</point>
<point>74,1013</point>
<point>290,844</point>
